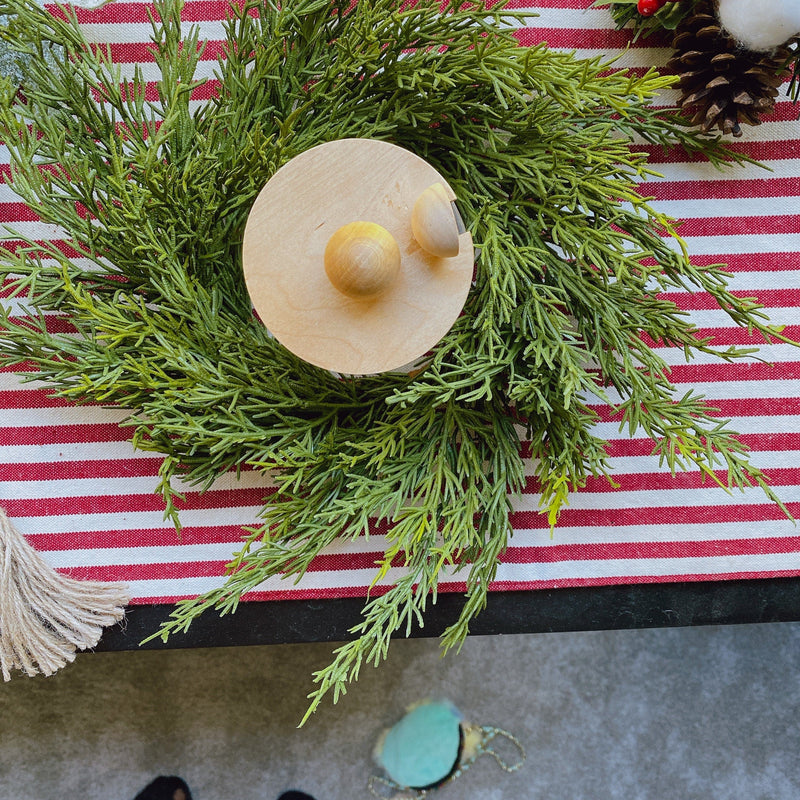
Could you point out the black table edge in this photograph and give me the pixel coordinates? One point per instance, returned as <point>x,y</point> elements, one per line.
<point>651,605</point>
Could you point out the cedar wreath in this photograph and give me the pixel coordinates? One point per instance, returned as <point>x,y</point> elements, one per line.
<point>154,194</point>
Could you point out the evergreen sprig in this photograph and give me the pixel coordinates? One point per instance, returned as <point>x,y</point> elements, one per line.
<point>154,194</point>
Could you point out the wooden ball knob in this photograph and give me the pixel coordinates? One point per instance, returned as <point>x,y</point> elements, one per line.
<point>362,259</point>
<point>433,222</point>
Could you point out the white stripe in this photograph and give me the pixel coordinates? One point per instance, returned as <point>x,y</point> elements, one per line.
<point>760,281</point>
<point>170,587</point>
<point>728,207</point>
<point>19,307</point>
<point>672,356</point>
<point>770,130</point>
<point>146,485</point>
<point>772,353</point>
<point>10,381</point>
<point>126,556</point>
<point>151,73</point>
<point>656,498</point>
<point>704,171</point>
<point>37,231</point>
<point>633,534</point>
<point>646,567</point>
<point>738,389</point>
<point>136,520</point>
<point>742,425</point>
<point>123,487</point>
<point>68,415</point>
<point>79,451</point>
<point>594,19</point>
<point>718,318</point>
<point>141,32</point>
<point>632,58</point>
<point>740,244</point>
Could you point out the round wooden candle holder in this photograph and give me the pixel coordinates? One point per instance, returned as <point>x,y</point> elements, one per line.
<point>354,257</point>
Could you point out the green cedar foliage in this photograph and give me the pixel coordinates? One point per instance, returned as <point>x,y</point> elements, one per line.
<point>154,194</point>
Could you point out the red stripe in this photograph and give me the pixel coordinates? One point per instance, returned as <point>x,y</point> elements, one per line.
<point>15,212</point>
<point>55,323</point>
<point>642,446</point>
<point>729,407</point>
<point>663,481</point>
<point>132,467</point>
<point>205,91</point>
<point>74,470</point>
<point>130,13</point>
<point>577,38</point>
<point>25,367</point>
<point>579,5</point>
<point>11,213</point>
<point>751,262</point>
<point>62,245</point>
<point>211,11</point>
<point>143,53</point>
<point>132,503</point>
<point>760,151</point>
<point>743,371</point>
<point>64,434</point>
<point>233,534</point>
<point>139,537</point>
<point>35,398</point>
<point>757,442</point>
<point>661,515</point>
<point>702,301</point>
<point>740,226</point>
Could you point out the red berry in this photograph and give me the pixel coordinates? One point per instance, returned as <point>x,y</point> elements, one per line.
<point>649,7</point>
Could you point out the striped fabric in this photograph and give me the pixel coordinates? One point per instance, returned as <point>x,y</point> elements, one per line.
<point>71,481</point>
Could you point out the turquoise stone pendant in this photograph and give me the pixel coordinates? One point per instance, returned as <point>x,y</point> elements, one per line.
<point>423,749</point>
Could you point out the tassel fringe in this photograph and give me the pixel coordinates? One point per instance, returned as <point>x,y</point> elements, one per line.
<point>45,616</point>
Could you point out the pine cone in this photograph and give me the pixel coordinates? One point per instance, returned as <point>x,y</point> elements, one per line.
<point>723,84</point>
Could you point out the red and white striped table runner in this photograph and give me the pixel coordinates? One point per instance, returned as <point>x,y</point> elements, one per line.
<point>71,481</point>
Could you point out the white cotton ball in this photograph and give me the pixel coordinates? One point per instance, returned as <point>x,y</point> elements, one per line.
<point>760,24</point>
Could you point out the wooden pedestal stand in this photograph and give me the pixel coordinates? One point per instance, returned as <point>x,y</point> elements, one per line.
<point>354,257</point>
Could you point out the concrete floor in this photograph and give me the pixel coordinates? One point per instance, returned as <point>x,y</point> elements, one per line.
<point>672,713</point>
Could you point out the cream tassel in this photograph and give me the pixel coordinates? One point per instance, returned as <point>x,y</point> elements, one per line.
<point>46,616</point>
